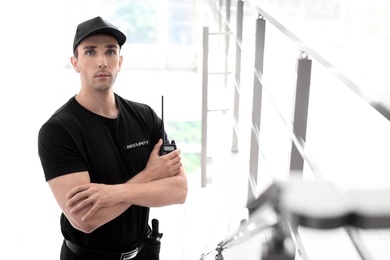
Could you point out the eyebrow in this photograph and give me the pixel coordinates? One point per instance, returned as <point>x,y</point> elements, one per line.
<point>112,46</point>
<point>108,46</point>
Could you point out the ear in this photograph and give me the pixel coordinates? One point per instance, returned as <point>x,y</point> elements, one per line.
<point>120,62</point>
<point>74,62</point>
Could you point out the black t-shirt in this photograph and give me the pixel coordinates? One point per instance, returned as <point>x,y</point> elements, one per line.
<point>112,150</point>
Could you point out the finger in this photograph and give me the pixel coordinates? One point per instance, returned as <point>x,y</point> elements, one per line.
<point>77,198</point>
<point>176,169</point>
<point>178,164</point>
<point>156,148</point>
<point>76,190</point>
<point>173,154</point>
<point>82,204</point>
<point>174,166</point>
<point>90,213</point>
<point>176,159</point>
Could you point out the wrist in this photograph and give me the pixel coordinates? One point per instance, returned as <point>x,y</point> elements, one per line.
<point>141,177</point>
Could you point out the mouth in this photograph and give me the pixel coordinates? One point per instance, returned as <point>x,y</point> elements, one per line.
<point>102,75</point>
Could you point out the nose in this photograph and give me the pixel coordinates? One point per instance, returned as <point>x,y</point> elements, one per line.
<point>102,62</point>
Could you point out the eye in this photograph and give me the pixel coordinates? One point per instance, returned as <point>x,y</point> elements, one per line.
<point>89,52</point>
<point>111,51</point>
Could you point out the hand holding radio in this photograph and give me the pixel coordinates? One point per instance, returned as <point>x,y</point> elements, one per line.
<point>159,167</point>
<point>167,147</point>
<point>164,161</point>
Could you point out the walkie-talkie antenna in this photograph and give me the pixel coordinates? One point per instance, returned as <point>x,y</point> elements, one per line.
<point>162,118</point>
<point>166,147</point>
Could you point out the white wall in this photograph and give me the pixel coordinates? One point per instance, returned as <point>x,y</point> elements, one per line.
<point>36,44</point>
<point>33,52</point>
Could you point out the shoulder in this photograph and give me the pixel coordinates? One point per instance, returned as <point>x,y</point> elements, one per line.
<point>61,119</point>
<point>134,113</point>
<point>64,112</point>
<point>140,109</point>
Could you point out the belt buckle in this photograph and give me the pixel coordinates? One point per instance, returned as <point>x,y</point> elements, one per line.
<point>130,254</point>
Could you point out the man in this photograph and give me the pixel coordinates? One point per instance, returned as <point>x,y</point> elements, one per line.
<point>100,155</point>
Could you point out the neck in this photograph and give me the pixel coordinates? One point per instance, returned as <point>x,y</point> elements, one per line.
<point>103,104</point>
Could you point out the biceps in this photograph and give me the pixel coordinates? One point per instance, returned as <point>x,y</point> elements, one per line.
<point>61,185</point>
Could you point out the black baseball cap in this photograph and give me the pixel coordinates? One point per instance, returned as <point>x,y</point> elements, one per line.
<point>94,26</point>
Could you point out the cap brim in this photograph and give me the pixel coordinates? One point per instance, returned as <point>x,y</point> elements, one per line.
<point>118,35</point>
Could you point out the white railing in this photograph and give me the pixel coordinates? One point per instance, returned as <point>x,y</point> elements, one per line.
<point>294,119</point>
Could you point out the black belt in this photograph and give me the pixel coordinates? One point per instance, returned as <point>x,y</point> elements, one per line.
<point>104,254</point>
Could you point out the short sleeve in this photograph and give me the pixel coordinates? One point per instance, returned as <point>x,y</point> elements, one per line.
<point>57,151</point>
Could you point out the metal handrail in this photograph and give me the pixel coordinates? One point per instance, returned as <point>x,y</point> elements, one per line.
<point>265,215</point>
<point>277,19</point>
<point>298,141</point>
<point>274,17</point>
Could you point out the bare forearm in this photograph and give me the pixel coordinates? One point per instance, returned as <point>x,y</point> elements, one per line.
<point>99,218</point>
<point>157,193</point>
<point>163,182</point>
<point>167,191</point>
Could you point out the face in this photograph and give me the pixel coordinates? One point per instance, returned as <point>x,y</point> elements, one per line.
<point>98,62</point>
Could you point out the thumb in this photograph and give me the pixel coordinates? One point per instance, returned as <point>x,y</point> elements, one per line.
<point>156,148</point>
